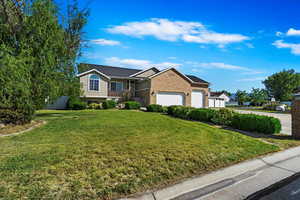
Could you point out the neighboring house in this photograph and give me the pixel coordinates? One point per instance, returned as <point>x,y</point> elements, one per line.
<point>217,99</point>
<point>150,86</point>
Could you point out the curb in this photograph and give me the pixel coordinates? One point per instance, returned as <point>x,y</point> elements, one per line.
<point>26,130</point>
<point>218,179</point>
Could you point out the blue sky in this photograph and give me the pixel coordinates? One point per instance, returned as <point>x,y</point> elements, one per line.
<point>233,44</point>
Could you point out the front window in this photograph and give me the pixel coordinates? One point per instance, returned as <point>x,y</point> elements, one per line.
<point>116,86</point>
<point>94,82</point>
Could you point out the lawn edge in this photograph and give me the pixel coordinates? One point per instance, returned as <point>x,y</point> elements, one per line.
<point>42,122</point>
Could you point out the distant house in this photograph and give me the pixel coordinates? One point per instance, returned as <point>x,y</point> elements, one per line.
<point>149,86</point>
<point>217,99</point>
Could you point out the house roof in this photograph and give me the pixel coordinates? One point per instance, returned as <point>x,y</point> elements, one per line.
<point>216,94</point>
<point>110,70</point>
<point>196,79</point>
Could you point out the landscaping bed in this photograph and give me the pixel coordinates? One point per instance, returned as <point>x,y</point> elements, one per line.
<point>105,154</point>
<point>14,129</point>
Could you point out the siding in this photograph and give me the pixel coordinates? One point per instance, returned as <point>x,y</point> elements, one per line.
<point>84,82</point>
<point>147,73</point>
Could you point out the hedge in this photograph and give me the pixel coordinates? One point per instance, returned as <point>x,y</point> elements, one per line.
<point>94,106</point>
<point>74,103</point>
<point>182,112</point>
<point>109,104</point>
<point>202,114</point>
<point>8,116</point>
<point>247,122</point>
<point>155,108</point>
<point>256,123</point>
<point>132,105</point>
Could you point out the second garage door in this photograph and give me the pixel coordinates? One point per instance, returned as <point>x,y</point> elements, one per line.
<point>169,98</point>
<point>197,99</point>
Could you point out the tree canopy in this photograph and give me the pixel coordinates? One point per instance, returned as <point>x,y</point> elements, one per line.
<point>281,85</point>
<point>38,51</point>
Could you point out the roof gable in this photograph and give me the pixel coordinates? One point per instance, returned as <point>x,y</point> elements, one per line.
<point>109,70</point>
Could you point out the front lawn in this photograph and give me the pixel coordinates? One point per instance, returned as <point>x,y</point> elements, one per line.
<point>104,154</point>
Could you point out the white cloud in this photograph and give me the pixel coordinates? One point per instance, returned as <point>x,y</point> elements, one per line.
<point>105,42</point>
<point>295,48</point>
<point>293,32</point>
<point>278,33</point>
<point>249,45</point>
<point>135,63</point>
<point>252,79</point>
<point>164,29</point>
<point>172,57</point>
<point>218,65</point>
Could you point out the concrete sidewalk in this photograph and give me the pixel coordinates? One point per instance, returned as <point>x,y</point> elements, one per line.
<point>234,182</point>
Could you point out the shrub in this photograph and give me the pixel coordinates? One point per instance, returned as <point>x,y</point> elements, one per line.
<point>74,103</point>
<point>132,105</point>
<point>155,108</point>
<point>256,123</point>
<point>223,116</point>
<point>109,104</point>
<point>182,112</point>
<point>202,114</point>
<point>171,110</point>
<point>94,106</point>
<point>8,116</point>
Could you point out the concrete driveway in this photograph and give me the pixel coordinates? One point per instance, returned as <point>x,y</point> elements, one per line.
<point>285,119</point>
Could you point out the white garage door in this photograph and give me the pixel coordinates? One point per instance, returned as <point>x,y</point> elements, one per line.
<point>197,99</point>
<point>169,98</point>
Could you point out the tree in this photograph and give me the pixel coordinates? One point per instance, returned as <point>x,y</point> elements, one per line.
<point>241,97</point>
<point>258,96</point>
<point>39,47</point>
<point>282,84</point>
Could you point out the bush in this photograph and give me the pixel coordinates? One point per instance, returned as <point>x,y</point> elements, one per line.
<point>8,116</point>
<point>94,106</point>
<point>171,109</point>
<point>155,108</point>
<point>182,112</point>
<point>109,104</point>
<point>202,114</point>
<point>223,116</point>
<point>74,103</point>
<point>256,123</point>
<point>132,105</point>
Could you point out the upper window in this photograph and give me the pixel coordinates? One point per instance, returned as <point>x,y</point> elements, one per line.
<point>116,86</point>
<point>94,82</point>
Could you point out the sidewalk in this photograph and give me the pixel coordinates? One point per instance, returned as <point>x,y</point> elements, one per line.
<point>234,182</point>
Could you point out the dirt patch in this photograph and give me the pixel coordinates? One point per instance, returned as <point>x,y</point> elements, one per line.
<point>17,129</point>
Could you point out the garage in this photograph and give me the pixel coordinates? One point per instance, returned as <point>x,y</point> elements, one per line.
<point>216,102</point>
<point>197,99</point>
<point>169,98</point>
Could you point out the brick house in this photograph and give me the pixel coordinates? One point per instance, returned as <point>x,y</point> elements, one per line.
<point>150,86</point>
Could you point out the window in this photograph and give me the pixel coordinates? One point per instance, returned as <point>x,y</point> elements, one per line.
<point>116,86</point>
<point>94,82</point>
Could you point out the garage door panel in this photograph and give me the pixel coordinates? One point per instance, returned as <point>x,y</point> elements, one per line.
<point>169,98</point>
<point>197,99</point>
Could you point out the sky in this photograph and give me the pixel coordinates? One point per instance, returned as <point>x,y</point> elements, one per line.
<point>233,44</point>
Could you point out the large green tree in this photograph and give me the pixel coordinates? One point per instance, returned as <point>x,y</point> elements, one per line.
<point>242,97</point>
<point>282,84</point>
<point>39,48</point>
<point>258,96</point>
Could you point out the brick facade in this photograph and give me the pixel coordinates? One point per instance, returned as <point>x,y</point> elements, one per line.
<point>296,118</point>
<point>172,81</point>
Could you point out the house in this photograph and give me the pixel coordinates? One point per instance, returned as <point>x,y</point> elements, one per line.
<point>149,86</point>
<point>217,99</point>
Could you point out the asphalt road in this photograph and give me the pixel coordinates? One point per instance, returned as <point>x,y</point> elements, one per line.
<point>285,119</point>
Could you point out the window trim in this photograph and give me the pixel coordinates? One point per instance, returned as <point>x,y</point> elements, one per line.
<point>89,82</point>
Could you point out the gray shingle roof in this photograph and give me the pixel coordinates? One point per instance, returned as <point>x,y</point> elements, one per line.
<point>109,70</point>
<point>196,79</point>
<point>123,72</point>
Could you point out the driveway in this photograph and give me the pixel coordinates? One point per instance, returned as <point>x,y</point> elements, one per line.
<point>285,119</point>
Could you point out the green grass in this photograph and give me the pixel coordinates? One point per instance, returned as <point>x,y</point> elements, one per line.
<point>105,154</point>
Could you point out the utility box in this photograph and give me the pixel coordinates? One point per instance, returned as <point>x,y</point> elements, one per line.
<point>296,115</point>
